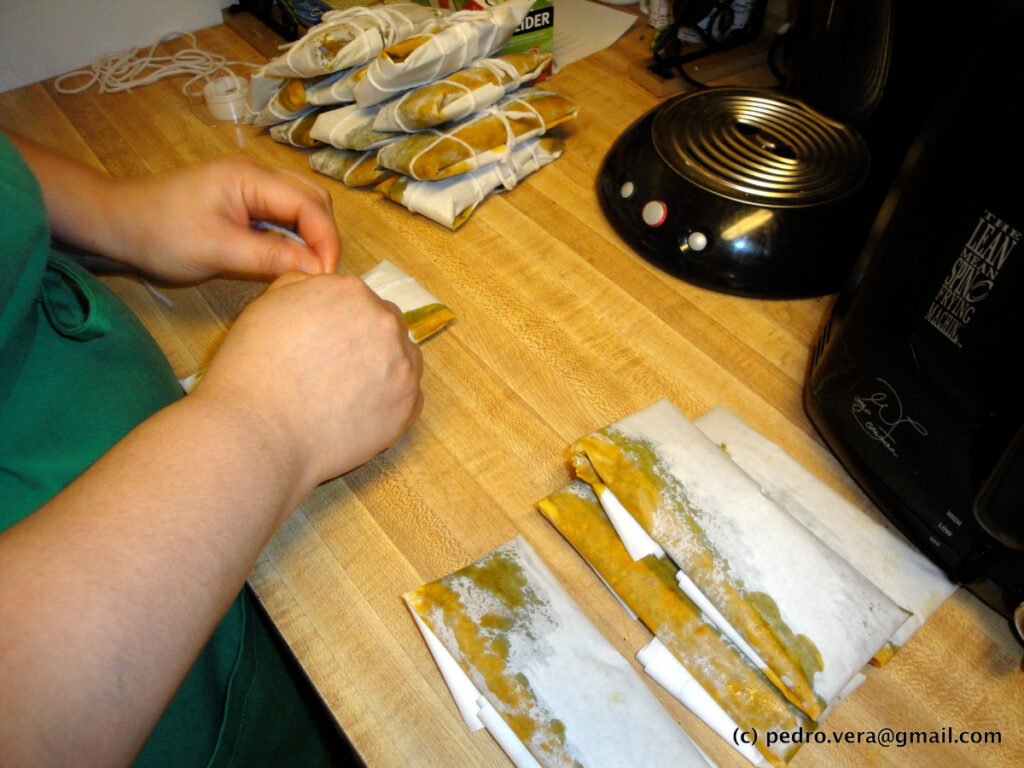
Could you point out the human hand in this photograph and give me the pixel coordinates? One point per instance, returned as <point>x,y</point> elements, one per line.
<point>324,368</point>
<point>195,223</point>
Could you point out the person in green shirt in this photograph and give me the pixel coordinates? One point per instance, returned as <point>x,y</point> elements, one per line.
<point>130,517</point>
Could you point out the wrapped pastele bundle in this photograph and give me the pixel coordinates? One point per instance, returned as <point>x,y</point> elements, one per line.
<point>423,312</point>
<point>296,132</point>
<point>881,554</point>
<point>461,93</point>
<point>337,90</point>
<point>262,88</point>
<point>730,692</point>
<point>452,201</point>
<point>542,668</point>
<point>806,617</point>
<point>350,127</point>
<point>439,48</point>
<point>350,167</point>
<point>346,38</point>
<point>287,103</point>
<point>478,140</point>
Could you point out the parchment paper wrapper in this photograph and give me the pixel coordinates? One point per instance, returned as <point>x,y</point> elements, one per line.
<point>452,201</point>
<point>296,132</point>
<point>350,167</point>
<point>439,48</point>
<point>810,619</point>
<point>877,551</point>
<point>337,90</point>
<point>345,38</point>
<point>424,313</point>
<point>350,127</point>
<point>461,93</point>
<point>262,88</point>
<point>730,691</point>
<point>480,139</point>
<point>287,103</point>
<point>548,673</point>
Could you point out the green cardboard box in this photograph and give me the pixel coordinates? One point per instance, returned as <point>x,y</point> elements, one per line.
<point>536,33</point>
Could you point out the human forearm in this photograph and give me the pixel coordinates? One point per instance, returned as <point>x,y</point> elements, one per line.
<point>79,199</point>
<point>191,224</point>
<point>110,591</point>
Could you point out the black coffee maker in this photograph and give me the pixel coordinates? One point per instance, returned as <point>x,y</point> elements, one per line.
<point>917,380</point>
<point>771,192</point>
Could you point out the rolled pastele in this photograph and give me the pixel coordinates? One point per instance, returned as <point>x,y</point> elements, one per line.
<point>345,38</point>
<point>337,90</point>
<point>813,620</point>
<point>441,47</point>
<point>262,88</point>
<point>461,93</point>
<point>423,312</point>
<point>351,167</point>
<point>731,688</point>
<point>552,677</point>
<point>350,127</point>
<point>482,138</point>
<point>296,131</point>
<point>864,540</point>
<point>452,201</point>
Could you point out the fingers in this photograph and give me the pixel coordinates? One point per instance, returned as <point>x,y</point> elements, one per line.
<point>283,198</point>
<point>287,279</point>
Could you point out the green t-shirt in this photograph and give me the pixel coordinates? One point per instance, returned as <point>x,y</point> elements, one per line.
<point>78,372</point>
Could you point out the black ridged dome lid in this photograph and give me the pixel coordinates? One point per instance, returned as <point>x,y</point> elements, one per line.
<point>758,147</point>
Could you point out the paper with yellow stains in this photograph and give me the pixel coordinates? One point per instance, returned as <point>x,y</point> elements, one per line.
<point>351,167</point>
<point>439,47</point>
<point>727,690</point>
<point>424,313</point>
<point>480,85</point>
<point>567,694</point>
<point>478,140</point>
<point>345,38</point>
<point>811,620</point>
<point>452,201</point>
<point>876,550</point>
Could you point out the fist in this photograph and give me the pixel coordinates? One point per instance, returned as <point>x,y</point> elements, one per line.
<point>324,368</point>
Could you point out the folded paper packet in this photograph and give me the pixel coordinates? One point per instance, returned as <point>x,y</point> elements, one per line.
<point>733,692</point>
<point>296,132</point>
<point>553,679</point>
<point>350,167</point>
<point>877,551</point>
<point>480,139</point>
<point>345,38</point>
<point>423,312</point>
<point>808,619</point>
<point>461,93</point>
<point>350,127</point>
<point>452,201</point>
<point>441,47</point>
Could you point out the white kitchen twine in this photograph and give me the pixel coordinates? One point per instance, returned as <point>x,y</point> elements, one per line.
<point>500,112</point>
<point>119,71</point>
<point>497,68</point>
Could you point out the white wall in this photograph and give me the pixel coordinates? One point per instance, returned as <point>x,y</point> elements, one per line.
<point>43,38</point>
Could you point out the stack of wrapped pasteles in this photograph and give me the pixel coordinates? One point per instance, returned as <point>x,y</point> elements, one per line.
<point>426,93</point>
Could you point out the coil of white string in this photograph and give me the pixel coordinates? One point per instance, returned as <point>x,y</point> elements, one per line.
<point>119,71</point>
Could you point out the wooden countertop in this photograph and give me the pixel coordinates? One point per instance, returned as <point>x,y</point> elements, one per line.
<point>561,330</point>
